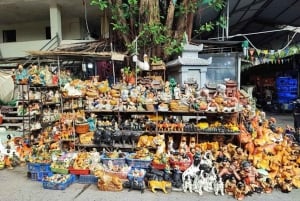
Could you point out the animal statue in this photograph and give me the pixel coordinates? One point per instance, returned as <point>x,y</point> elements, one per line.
<point>170,145</point>
<point>135,183</point>
<point>230,185</point>
<point>220,90</point>
<point>187,184</point>
<point>106,136</point>
<point>134,137</point>
<point>159,142</point>
<point>145,141</point>
<point>177,177</point>
<point>218,186</point>
<point>107,182</point>
<point>191,172</point>
<point>163,185</point>
<point>286,186</point>
<point>7,150</point>
<point>126,136</point>
<point>239,192</point>
<point>210,178</point>
<point>154,174</point>
<point>192,143</point>
<point>143,65</point>
<point>200,182</point>
<point>183,144</point>
<point>97,136</point>
<point>116,137</point>
<point>207,160</point>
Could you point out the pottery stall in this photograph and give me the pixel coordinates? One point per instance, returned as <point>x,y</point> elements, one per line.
<point>157,134</point>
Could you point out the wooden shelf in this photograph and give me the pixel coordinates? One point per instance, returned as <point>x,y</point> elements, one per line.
<point>121,146</point>
<point>17,118</point>
<point>11,124</point>
<point>51,103</point>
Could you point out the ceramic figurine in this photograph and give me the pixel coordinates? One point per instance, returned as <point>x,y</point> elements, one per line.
<point>21,74</point>
<point>240,191</point>
<point>230,185</point>
<point>177,92</point>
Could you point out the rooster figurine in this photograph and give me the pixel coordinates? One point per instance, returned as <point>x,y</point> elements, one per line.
<point>143,65</point>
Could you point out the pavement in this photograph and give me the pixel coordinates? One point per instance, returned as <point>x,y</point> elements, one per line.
<point>16,186</point>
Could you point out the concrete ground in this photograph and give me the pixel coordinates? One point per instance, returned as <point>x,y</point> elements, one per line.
<point>16,186</point>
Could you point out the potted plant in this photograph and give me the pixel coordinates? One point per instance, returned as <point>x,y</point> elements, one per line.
<point>129,75</point>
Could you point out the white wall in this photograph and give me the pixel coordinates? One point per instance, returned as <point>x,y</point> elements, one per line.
<point>19,49</point>
<point>71,29</point>
<point>27,31</point>
<point>32,36</point>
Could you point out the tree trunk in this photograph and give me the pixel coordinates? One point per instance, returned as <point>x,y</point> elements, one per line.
<point>182,22</point>
<point>170,17</point>
<point>125,37</point>
<point>190,23</point>
<point>154,13</point>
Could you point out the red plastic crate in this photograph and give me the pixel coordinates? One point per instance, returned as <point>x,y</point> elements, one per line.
<point>78,171</point>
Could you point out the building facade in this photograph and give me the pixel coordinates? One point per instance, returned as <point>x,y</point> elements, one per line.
<point>31,24</point>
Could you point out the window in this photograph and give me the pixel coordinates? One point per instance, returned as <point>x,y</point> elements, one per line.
<point>48,33</point>
<point>9,36</point>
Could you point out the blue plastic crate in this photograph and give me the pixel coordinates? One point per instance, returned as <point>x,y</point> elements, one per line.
<point>281,81</point>
<point>33,167</point>
<point>38,167</point>
<point>286,95</point>
<point>59,185</point>
<point>293,82</point>
<point>87,179</point>
<point>39,176</point>
<point>115,161</point>
<point>138,163</point>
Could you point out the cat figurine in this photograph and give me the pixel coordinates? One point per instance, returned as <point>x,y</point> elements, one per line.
<point>163,185</point>
<point>159,142</point>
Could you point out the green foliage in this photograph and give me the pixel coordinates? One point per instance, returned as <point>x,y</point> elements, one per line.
<point>210,26</point>
<point>127,70</point>
<point>222,22</point>
<point>155,59</point>
<point>216,4</point>
<point>102,4</point>
<point>173,47</point>
<point>154,34</point>
<point>120,27</point>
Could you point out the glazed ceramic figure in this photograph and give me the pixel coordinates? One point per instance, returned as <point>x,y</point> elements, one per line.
<point>240,191</point>
<point>250,175</point>
<point>172,85</point>
<point>177,92</point>
<point>124,94</point>
<point>56,96</point>
<point>230,170</point>
<point>21,73</point>
<point>55,79</point>
<point>230,185</point>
